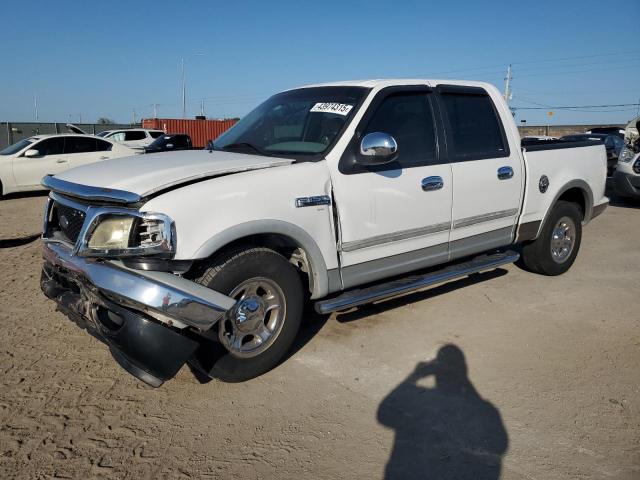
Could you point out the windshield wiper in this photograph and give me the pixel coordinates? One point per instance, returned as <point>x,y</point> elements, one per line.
<point>244,145</point>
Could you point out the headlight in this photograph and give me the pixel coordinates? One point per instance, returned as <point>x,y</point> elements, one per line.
<point>626,154</point>
<point>111,233</point>
<point>126,233</point>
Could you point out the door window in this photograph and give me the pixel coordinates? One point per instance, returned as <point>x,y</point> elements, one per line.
<point>180,142</point>
<point>408,118</point>
<point>134,135</point>
<point>102,146</point>
<point>475,131</point>
<point>117,137</point>
<point>79,145</point>
<point>50,146</point>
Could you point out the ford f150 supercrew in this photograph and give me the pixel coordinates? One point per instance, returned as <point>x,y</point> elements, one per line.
<point>341,194</point>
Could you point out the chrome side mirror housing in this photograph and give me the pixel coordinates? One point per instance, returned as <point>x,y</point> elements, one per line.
<point>31,153</point>
<point>377,148</point>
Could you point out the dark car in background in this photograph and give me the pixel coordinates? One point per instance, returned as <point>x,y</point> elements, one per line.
<point>170,142</point>
<point>608,130</point>
<point>612,142</point>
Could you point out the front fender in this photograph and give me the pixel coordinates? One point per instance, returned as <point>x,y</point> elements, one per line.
<point>211,214</point>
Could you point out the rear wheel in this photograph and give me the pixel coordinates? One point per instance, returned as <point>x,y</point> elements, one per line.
<point>555,250</point>
<point>260,329</point>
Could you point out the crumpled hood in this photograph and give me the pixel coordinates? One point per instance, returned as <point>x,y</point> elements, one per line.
<point>149,173</point>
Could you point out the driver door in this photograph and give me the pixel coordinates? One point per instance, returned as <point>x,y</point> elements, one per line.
<point>394,218</point>
<point>28,171</point>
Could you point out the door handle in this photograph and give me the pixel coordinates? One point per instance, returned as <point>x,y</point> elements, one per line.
<point>432,183</point>
<point>61,161</point>
<point>505,173</point>
<point>104,158</point>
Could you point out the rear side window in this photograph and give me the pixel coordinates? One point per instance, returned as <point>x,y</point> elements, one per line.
<point>102,146</point>
<point>180,142</point>
<point>474,130</point>
<point>134,136</point>
<point>79,144</point>
<point>50,146</point>
<point>155,134</point>
<point>407,117</point>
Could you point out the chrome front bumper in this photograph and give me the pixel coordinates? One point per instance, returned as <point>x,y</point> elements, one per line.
<point>152,322</point>
<point>173,300</point>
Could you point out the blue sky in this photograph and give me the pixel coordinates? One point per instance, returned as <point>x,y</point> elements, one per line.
<point>106,58</point>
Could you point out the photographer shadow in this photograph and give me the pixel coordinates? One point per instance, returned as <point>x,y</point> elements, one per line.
<point>445,431</point>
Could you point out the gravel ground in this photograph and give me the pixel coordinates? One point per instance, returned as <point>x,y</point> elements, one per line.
<point>503,375</point>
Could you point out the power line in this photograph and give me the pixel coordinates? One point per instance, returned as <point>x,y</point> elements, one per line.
<point>528,62</point>
<point>576,107</point>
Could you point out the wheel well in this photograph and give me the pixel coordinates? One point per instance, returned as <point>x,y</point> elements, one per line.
<point>284,245</point>
<point>575,195</point>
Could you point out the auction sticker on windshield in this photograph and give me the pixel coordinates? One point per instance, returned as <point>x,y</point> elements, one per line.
<point>339,108</point>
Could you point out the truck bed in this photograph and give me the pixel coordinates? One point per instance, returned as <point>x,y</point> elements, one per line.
<point>559,161</point>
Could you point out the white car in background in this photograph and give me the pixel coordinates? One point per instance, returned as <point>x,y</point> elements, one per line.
<point>137,138</point>
<point>23,164</point>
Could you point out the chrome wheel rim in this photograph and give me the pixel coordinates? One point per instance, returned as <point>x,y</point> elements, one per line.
<point>256,319</point>
<point>563,240</point>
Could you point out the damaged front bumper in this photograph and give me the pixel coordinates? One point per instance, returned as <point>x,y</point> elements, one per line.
<point>151,321</point>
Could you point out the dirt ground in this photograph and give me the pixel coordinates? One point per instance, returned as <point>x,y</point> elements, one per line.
<point>503,375</point>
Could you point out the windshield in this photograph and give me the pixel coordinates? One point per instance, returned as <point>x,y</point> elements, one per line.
<point>16,147</point>
<point>300,122</point>
<point>104,133</point>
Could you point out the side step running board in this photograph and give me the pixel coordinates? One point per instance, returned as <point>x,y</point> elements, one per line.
<point>401,286</point>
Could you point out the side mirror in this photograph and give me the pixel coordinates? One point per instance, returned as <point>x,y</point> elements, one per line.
<point>377,148</point>
<point>169,145</point>
<point>32,152</point>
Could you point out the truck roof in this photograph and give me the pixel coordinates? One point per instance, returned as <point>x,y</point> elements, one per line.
<point>389,82</point>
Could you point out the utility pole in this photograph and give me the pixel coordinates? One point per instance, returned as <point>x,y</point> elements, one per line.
<point>35,104</point>
<point>79,118</point>
<point>184,91</point>
<point>184,83</point>
<point>507,85</point>
<point>155,110</point>
<point>134,117</point>
<point>202,107</point>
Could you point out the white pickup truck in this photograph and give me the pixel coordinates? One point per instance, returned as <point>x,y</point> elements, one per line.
<point>341,194</point>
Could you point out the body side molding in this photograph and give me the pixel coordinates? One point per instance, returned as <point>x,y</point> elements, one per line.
<point>394,236</point>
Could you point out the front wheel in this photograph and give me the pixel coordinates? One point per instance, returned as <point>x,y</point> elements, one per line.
<point>260,329</point>
<point>555,250</point>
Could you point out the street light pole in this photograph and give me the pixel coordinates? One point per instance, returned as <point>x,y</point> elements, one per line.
<point>184,84</point>
<point>184,91</point>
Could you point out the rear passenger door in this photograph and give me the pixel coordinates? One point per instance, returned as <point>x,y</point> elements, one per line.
<point>396,217</point>
<point>487,173</point>
<point>136,139</point>
<point>84,150</point>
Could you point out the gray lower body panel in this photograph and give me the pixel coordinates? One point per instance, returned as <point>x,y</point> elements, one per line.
<point>480,243</point>
<point>366,272</point>
<point>374,270</point>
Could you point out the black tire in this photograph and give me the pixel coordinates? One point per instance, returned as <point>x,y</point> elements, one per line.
<point>224,274</point>
<point>537,257</point>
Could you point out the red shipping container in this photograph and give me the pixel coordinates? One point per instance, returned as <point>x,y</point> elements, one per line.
<point>200,131</point>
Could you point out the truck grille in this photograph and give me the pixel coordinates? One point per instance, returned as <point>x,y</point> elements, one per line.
<point>68,220</point>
